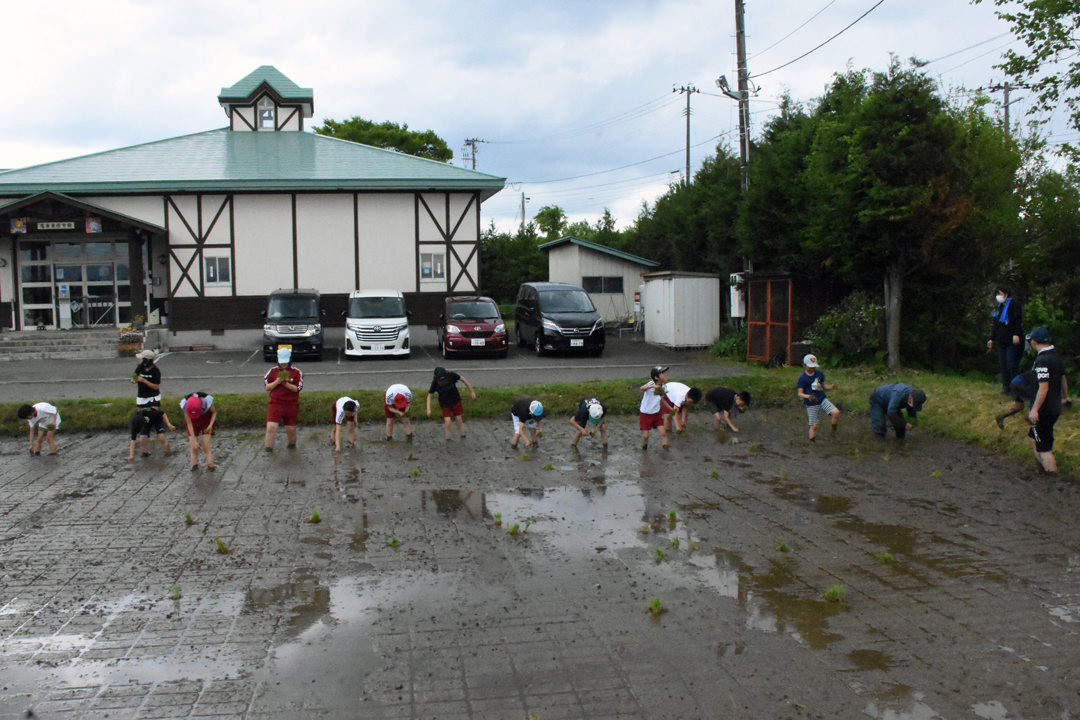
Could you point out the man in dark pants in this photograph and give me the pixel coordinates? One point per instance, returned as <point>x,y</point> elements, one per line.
<point>1050,374</point>
<point>887,401</point>
<point>1005,335</point>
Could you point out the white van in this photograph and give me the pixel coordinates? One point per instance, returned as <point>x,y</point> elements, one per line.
<point>376,323</point>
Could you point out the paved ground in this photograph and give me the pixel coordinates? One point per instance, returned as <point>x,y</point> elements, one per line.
<point>975,614</point>
<point>240,372</point>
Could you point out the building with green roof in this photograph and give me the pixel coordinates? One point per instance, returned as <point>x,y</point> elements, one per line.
<point>195,231</point>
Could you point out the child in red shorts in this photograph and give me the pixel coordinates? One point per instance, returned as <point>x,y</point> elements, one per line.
<point>649,415</point>
<point>396,404</point>
<point>284,383</point>
<point>200,416</point>
<point>444,385</point>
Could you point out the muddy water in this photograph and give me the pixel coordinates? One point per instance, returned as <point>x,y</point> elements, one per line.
<point>464,579</point>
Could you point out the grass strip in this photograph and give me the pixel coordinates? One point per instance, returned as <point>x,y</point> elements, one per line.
<point>957,407</point>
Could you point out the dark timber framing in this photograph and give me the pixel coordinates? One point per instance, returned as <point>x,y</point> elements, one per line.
<point>449,247</point>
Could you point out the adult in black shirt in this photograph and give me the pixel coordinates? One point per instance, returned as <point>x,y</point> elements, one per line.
<point>1053,390</point>
<point>725,400</point>
<point>1005,335</point>
<point>147,378</point>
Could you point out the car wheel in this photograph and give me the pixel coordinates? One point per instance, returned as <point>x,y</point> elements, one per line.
<point>538,344</point>
<point>521,340</point>
<point>445,352</point>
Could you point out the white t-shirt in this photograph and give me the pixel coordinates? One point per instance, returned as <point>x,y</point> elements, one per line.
<point>650,403</point>
<point>339,409</point>
<point>394,390</point>
<point>676,393</point>
<point>46,415</point>
<point>207,403</point>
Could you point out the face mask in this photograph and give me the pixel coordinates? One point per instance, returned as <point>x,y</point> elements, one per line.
<point>1000,299</point>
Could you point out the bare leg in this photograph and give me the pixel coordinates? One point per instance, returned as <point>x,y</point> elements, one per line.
<point>460,425</point>
<point>290,432</point>
<point>207,451</point>
<point>389,428</point>
<point>193,443</point>
<point>164,443</point>
<point>446,426</point>
<point>271,433</point>
<point>49,438</point>
<point>408,426</point>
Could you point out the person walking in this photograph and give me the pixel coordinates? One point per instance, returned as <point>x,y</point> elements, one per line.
<point>1046,409</point>
<point>1006,335</point>
<point>147,378</point>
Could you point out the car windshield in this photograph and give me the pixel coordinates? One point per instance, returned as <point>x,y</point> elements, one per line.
<point>556,301</point>
<point>376,307</point>
<point>473,311</point>
<point>292,307</point>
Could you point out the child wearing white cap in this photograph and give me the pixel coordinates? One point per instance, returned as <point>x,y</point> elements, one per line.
<point>812,386</point>
<point>588,420</point>
<point>528,413</point>
<point>284,383</point>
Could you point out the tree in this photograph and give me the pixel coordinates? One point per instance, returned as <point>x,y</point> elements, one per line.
<point>551,220</point>
<point>390,136</point>
<point>1049,68</point>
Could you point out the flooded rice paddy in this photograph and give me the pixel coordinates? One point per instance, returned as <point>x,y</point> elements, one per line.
<point>465,579</point>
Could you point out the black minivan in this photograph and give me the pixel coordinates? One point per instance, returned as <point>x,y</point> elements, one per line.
<point>293,318</point>
<point>557,316</point>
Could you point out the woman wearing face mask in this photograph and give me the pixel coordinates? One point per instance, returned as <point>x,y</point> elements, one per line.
<point>1007,335</point>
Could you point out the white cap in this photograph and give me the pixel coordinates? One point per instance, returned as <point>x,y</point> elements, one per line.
<point>810,361</point>
<point>535,408</point>
<point>284,355</point>
<point>595,412</point>
<point>146,355</point>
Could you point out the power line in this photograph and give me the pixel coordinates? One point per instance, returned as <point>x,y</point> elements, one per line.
<point>778,67</point>
<point>988,52</point>
<point>970,47</point>
<point>632,114</point>
<point>762,52</point>
<point>601,172</point>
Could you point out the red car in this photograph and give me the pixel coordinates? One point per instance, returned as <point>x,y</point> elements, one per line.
<point>472,325</point>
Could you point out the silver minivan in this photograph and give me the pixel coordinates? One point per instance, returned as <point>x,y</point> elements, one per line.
<point>376,323</point>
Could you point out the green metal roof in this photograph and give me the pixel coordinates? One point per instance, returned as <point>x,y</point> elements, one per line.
<point>283,86</point>
<point>593,246</point>
<point>222,160</point>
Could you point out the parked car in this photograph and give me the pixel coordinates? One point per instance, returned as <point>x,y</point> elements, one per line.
<point>557,316</point>
<point>376,323</point>
<point>293,318</point>
<point>472,325</point>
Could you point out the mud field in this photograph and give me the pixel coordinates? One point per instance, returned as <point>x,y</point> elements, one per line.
<point>960,574</point>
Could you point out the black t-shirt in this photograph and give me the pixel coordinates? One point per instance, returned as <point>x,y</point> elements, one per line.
<point>520,410</point>
<point>582,415</point>
<point>722,398</point>
<point>446,390</point>
<point>146,421</point>
<point>1050,369</point>
<point>152,375</point>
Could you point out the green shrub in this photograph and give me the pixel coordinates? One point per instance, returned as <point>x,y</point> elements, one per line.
<point>850,332</point>
<point>732,344</point>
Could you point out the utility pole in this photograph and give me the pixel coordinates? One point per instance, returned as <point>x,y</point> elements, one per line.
<point>744,95</point>
<point>523,199</point>
<point>1005,89</point>
<point>689,90</point>
<point>472,143</point>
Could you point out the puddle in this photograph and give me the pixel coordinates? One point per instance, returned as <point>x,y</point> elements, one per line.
<point>307,599</point>
<point>870,660</point>
<point>917,710</point>
<point>575,521</point>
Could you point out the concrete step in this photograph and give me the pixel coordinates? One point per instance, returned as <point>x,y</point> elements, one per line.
<point>59,344</point>
<point>93,354</point>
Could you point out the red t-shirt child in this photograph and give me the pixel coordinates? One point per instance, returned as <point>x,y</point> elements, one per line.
<point>284,403</point>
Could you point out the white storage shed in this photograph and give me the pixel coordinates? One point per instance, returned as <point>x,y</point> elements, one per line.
<point>681,309</point>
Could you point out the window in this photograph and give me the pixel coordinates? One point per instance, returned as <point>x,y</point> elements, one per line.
<point>432,267</point>
<point>266,114</point>
<point>603,285</point>
<point>218,271</point>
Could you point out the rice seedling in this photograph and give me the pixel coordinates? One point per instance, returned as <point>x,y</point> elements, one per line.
<point>174,593</point>
<point>514,529</point>
<point>188,520</point>
<point>526,528</point>
<point>498,519</point>
<point>409,457</point>
<point>314,517</point>
<point>675,543</point>
<point>549,466</point>
<point>754,447</point>
<point>716,474</point>
<point>834,594</point>
<point>645,530</point>
<point>414,472</point>
<point>885,558</point>
<point>936,474</point>
<point>671,516</point>
<point>221,546</point>
<point>660,555</point>
<point>394,542</point>
<point>655,607</point>
<point>782,547</point>
<point>524,457</point>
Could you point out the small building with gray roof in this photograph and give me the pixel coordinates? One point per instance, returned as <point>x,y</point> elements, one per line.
<point>610,276</point>
<point>196,231</point>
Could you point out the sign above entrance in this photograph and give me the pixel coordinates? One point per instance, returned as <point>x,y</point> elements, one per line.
<point>56,226</point>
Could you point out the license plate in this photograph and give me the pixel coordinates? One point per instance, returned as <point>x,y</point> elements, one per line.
<point>577,343</point>
<point>378,347</point>
<point>284,347</point>
<point>478,342</point>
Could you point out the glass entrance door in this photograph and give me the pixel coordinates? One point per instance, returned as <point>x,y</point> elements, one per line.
<point>95,275</point>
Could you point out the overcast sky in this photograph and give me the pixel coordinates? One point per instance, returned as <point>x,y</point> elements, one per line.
<point>574,98</point>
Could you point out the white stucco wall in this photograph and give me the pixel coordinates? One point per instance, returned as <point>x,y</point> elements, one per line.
<point>387,242</point>
<point>148,208</point>
<point>571,263</point>
<point>325,239</point>
<point>247,113</point>
<point>263,226</point>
